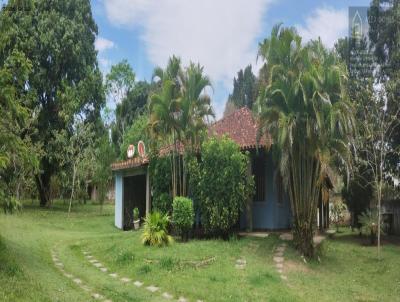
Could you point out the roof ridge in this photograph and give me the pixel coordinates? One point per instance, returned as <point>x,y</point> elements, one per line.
<point>245,108</point>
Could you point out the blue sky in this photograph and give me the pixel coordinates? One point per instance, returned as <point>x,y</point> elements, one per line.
<point>222,35</point>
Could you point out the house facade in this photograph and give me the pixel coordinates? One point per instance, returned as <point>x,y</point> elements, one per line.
<point>270,208</point>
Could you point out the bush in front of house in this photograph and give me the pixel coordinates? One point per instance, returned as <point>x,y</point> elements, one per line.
<point>160,173</point>
<point>162,203</point>
<point>155,231</point>
<point>221,185</point>
<point>183,215</point>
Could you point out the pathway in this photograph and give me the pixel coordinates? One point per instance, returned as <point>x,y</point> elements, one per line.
<point>139,284</point>
<point>279,260</point>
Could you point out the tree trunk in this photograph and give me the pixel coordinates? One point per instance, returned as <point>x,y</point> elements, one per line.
<point>43,186</point>
<point>303,239</point>
<point>73,188</point>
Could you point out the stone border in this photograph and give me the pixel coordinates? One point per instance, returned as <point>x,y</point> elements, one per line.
<point>151,288</point>
<point>60,266</point>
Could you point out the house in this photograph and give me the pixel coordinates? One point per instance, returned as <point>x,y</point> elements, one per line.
<point>270,208</point>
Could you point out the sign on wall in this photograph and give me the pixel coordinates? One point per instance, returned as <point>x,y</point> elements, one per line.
<point>131,151</point>
<point>141,149</point>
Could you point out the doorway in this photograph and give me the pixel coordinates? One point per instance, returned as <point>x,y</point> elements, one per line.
<point>134,196</point>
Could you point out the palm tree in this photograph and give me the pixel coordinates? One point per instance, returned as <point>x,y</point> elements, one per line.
<point>195,108</point>
<point>178,113</point>
<point>306,110</point>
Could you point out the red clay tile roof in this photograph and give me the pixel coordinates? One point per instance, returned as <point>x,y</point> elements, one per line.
<point>130,163</point>
<point>240,127</point>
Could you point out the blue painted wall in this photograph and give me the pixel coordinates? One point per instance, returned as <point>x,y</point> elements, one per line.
<point>269,214</point>
<point>119,191</point>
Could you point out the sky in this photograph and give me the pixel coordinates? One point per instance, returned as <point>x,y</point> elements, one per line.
<point>221,35</point>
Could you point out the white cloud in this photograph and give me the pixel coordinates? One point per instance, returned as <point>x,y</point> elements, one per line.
<point>220,35</point>
<point>102,44</point>
<point>327,23</point>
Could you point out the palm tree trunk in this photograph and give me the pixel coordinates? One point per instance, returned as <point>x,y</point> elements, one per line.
<point>304,191</point>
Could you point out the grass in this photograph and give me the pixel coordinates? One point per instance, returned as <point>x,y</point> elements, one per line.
<point>198,269</point>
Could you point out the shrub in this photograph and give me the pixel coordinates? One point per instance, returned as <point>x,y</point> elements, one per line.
<point>183,215</point>
<point>337,213</point>
<point>369,224</point>
<point>160,173</point>
<point>11,205</point>
<point>155,231</point>
<point>220,184</point>
<point>162,203</point>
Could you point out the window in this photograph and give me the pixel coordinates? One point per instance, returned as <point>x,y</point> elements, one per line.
<point>258,168</point>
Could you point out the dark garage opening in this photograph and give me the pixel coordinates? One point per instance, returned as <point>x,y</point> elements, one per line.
<point>134,196</point>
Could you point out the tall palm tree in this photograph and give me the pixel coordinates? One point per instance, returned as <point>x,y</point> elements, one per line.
<point>178,113</point>
<point>195,108</point>
<point>195,105</point>
<point>306,110</point>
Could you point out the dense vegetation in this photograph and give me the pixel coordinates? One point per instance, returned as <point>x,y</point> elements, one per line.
<point>327,120</point>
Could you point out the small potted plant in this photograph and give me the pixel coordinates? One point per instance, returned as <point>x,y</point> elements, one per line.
<point>136,220</point>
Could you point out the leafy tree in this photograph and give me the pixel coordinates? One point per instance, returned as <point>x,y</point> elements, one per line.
<point>78,154</point>
<point>305,108</point>
<point>135,133</point>
<point>102,176</point>
<point>120,80</point>
<point>384,34</point>
<point>221,193</point>
<point>133,104</point>
<point>244,89</point>
<point>16,159</point>
<point>57,37</point>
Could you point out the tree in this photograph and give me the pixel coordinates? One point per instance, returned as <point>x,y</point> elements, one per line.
<point>15,149</point>
<point>244,92</point>
<point>384,34</point>
<point>379,126</point>
<point>57,37</point>
<point>120,80</point>
<point>178,114</point>
<point>133,104</point>
<point>137,132</point>
<point>78,154</point>
<point>305,108</point>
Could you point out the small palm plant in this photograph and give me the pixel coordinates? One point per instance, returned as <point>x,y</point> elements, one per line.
<point>369,224</point>
<point>155,232</point>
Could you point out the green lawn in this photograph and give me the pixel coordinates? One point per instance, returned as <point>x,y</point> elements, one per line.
<point>199,269</point>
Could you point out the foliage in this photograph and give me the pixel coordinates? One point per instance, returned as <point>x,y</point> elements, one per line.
<point>369,221</point>
<point>162,203</point>
<point>160,173</point>
<point>120,80</point>
<point>305,108</point>
<point>135,133</point>
<point>183,215</point>
<point>245,89</point>
<point>11,205</point>
<point>65,79</point>
<point>337,213</point>
<point>155,231</point>
<point>135,214</point>
<point>221,193</point>
<point>384,34</point>
<point>178,113</point>
<point>18,159</point>
<point>102,174</point>
<point>358,193</point>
